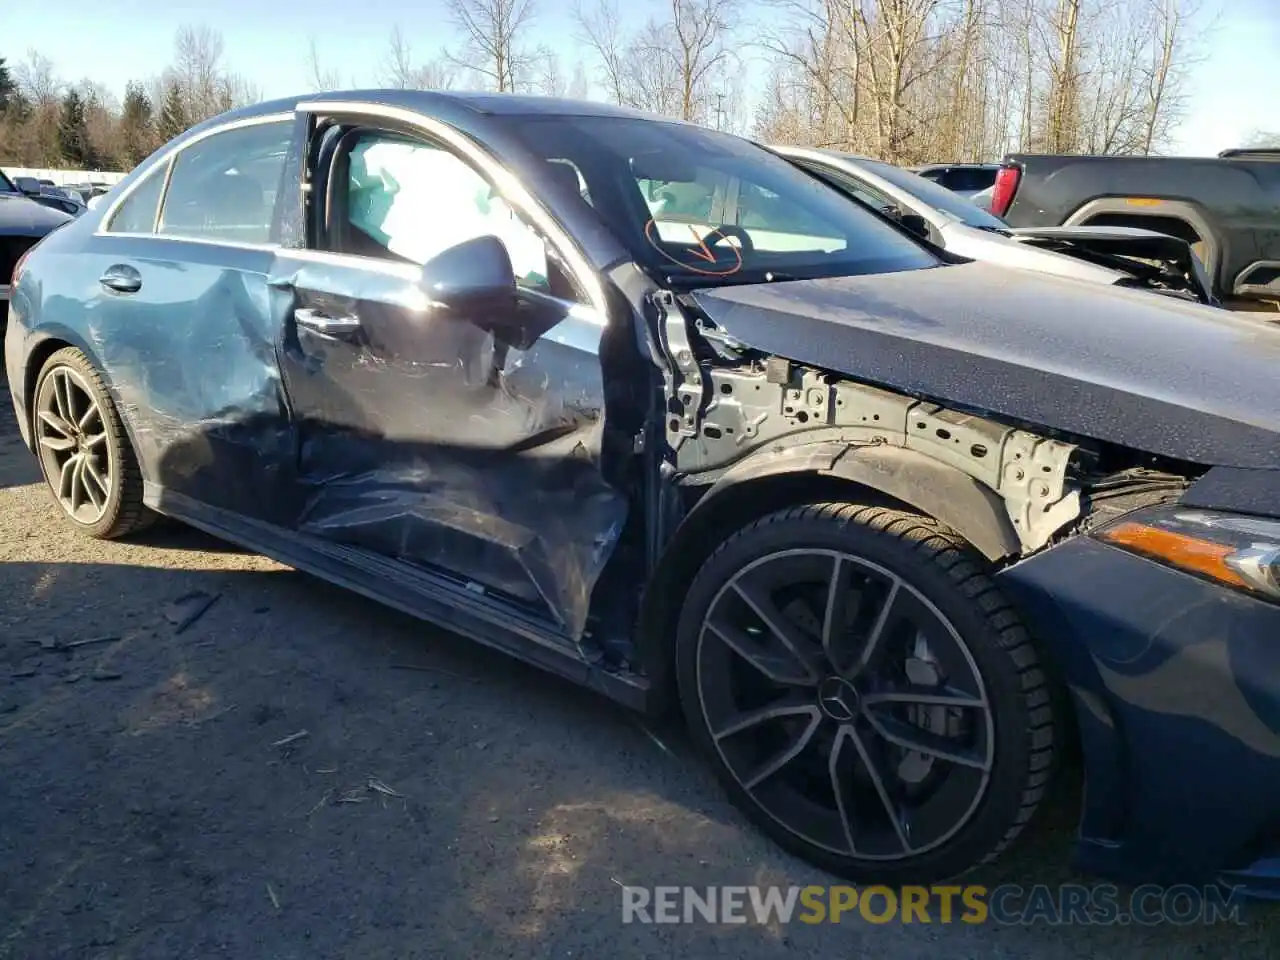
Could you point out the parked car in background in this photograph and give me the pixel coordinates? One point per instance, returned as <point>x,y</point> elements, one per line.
<point>87,191</point>
<point>1110,255</point>
<point>49,194</point>
<point>23,222</point>
<point>1227,207</point>
<point>654,409</point>
<point>965,179</point>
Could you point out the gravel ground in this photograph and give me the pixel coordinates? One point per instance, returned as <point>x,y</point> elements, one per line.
<point>151,806</point>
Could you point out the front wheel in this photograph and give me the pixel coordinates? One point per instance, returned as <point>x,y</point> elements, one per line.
<point>865,693</point>
<point>84,452</point>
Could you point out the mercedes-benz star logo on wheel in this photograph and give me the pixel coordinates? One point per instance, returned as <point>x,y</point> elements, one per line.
<point>838,699</point>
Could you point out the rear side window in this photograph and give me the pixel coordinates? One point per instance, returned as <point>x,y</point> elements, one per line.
<point>224,187</point>
<point>968,178</point>
<point>138,212</point>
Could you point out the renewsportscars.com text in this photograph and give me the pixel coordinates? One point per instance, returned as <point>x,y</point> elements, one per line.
<point>1065,904</point>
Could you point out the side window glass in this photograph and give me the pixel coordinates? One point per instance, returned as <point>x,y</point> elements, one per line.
<point>409,201</point>
<point>138,212</point>
<point>224,187</point>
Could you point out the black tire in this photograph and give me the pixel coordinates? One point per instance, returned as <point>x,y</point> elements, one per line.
<point>123,512</point>
<point>932,562</point>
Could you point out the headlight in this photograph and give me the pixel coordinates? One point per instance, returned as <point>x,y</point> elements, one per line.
<point>1237,551</point>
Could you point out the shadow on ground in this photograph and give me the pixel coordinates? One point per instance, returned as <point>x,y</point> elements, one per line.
<point>300,773</point>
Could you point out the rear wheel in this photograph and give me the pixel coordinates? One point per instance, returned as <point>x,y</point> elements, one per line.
<point>865,693</point>
<point>84,452</point>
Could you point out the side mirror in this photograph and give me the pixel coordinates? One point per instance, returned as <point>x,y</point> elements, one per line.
<point>915,223</point>
<point>474,279</point>
<point>28,185</point>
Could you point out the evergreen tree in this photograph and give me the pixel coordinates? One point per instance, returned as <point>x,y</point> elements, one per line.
<point>8,89</point>
<point>173,113</point>
<point>137,126</point>
<point>73,133</point>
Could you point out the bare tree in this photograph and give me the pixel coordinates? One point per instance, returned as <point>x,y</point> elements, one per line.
<point>322,78</point>
<point>1263,139</point>
<point>1171,62</point>
<point>207,86</point>
<point>670,64</point>
<point>401,72</point>
<point>551,81</point>
<point>493,34</point>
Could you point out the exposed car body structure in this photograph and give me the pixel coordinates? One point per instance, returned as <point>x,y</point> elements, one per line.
<point>1228,207</point>
<point>22,224</point>
<point>866,513</point>
<point>1126,256</point>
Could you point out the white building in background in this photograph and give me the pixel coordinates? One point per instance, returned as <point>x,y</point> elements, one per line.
<point>65,177</point>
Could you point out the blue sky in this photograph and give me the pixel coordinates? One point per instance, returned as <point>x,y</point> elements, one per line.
<point>1233,90</point>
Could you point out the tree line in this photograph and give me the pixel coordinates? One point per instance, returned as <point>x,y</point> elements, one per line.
<point>903,80</point>
<point>46,121</point>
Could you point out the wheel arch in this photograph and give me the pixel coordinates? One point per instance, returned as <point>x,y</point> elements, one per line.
<point>1148,213</point>
<point>50,342</point>
<point>779,478</point>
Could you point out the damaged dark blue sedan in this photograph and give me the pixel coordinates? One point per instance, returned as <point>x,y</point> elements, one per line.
<point>647,406</point>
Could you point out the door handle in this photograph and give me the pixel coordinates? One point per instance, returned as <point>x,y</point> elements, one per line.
<point>324,324</point>
<point>121,278</point>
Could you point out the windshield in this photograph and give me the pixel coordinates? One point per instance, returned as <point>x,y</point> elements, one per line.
<point>936,196</point>
<point>6,185</point>
<point>702,207</point>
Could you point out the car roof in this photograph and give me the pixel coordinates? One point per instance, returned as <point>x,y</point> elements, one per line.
<point>924,167</point>
<point>431,101</point>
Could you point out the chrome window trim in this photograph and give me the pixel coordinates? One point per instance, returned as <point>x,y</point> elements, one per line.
<point>169,238</point>
<point>393,268</point>
<point>507,183</point>
<point>170,154</point>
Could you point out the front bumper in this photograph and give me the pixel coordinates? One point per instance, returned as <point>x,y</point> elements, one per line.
<point>1176,687</point>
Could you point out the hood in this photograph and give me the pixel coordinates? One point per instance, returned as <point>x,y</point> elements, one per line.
<point>20,216</point>
<point>998,248</point>
<point>1167,377</point>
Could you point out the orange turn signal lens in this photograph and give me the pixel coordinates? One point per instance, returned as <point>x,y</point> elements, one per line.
<point>1202,557</point>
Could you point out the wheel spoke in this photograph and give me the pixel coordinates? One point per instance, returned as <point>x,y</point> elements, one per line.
<point>882,622</point>
<point>749,720</point>
<point>62,394</point>
<point>831,620</point>
<point>57,444</point>
<point>838,783</point>
<point>56,423</point>
<point>779,669</point>
<point>891,806</point>
<point>787,633</point>
<point>925,697</point>
<point>77,484</point>
<point>93,480</point>
<point>95,440</point>
<point>910,737</point>
<point>784,756</point>
<point>89,415</point>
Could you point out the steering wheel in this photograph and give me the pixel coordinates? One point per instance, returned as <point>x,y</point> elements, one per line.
<point>747,248</point>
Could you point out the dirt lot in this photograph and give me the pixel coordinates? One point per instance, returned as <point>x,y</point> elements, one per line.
<point>222,790</point>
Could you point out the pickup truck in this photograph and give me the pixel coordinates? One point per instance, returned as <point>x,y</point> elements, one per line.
<point>1227,207</point>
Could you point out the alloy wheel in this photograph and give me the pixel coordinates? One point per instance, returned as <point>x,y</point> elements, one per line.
<point>72,441</point>
<point>845,704</point>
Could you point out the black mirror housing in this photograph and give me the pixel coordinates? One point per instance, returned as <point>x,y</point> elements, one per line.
<point>915,223</point>
<point>474,278</point>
